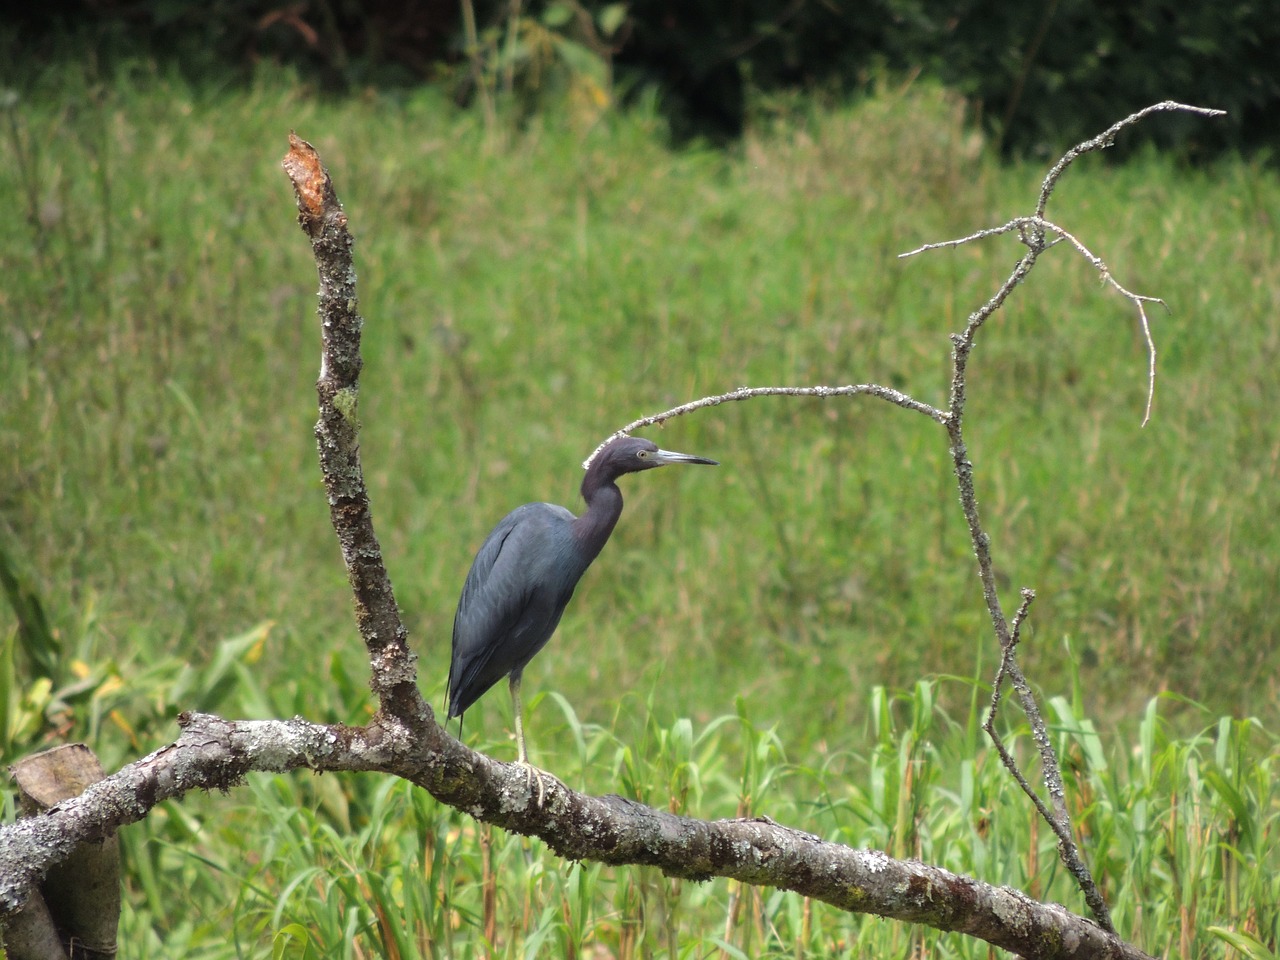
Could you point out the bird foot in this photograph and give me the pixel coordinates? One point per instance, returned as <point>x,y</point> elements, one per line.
<point>532,773</point>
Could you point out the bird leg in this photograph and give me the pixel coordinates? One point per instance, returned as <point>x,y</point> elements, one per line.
<point>522,755</point>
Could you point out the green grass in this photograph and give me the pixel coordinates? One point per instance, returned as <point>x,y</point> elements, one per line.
<point>738,646</point>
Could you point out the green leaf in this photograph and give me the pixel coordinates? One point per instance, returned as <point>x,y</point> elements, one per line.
<point>1247,944</point>
<point>37,639</point>
<point>287,940</point>
<point>611,18</point>
<point>557,15</point>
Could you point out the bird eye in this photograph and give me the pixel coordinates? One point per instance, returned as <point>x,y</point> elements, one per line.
<point>642,454</point>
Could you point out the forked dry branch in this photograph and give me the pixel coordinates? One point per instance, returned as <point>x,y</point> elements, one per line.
<point>1034,232</point>
<point>404,739</point>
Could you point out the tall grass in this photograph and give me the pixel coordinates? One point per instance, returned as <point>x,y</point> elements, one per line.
<point>773,638</point>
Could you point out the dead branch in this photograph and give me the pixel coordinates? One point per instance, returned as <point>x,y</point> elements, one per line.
<point>1034,231</point>
<point>888,394</point>
<point>378,618</point>
<point>217,754</point>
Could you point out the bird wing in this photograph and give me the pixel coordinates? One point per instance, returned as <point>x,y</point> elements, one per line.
<point>519,583</point>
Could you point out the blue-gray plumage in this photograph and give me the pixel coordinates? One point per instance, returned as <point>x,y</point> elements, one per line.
<point>525,574</point>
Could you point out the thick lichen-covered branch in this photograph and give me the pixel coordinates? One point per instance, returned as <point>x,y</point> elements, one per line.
<point>217,754</point>
<point>337,434</point>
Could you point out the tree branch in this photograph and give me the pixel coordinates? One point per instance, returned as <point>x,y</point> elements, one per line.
<point>216,754</point>
<point>1107,138</point>
<point>337,433</point>
<point>1032,232</point>
<point>896,397</point>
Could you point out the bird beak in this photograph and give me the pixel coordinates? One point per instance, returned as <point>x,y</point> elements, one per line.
<point>670,456</point>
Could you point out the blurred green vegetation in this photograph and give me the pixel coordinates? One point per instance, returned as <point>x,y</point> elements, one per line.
<point>528,290</point>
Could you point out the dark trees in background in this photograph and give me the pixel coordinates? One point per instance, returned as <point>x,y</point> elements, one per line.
<point>1035,74</point>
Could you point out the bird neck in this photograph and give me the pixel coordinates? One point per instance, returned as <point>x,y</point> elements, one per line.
<point>604,507</point>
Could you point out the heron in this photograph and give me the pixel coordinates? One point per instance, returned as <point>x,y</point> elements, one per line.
<point>525,573</point>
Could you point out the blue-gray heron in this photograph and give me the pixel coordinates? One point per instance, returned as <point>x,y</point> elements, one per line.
<point>525,573</point>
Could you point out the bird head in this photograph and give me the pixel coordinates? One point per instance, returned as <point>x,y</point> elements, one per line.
<point>631,454</point>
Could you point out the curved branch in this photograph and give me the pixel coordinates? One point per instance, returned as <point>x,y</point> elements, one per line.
<point>888,394</point>
<point>1108,137</point>
<point>213,753</point>
<point>1032,230</point>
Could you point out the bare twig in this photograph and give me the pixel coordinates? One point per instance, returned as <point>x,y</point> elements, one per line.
<point>962,347</point>
<point>1007,662</point>
<point>888,394</point>
<point>1107,138</point>
<point>1059,820</point>
<point>1034,237</point>
<point>1028,597</point>
<point>1033,231</point>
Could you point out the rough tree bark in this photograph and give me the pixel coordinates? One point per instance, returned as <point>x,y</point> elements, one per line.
<point>405,740</point>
